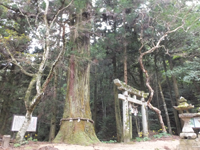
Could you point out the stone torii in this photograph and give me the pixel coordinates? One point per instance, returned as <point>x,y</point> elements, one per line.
<point>129,91</point>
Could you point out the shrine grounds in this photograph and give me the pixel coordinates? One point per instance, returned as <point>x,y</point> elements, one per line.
<point>163,143</point>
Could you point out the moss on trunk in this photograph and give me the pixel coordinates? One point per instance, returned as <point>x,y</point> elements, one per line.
<point>77,103</point>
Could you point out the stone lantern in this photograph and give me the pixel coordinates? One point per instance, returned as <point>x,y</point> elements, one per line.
<point>189,140</point>
<point>183,105</point>
<point>187,131</point>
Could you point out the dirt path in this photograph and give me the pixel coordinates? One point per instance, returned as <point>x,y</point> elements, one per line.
<point>155,145</point>
<point>169,143</point>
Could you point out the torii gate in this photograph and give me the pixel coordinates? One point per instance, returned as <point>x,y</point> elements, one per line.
<point>127,100</point>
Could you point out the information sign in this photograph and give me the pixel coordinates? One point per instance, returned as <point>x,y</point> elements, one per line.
<point>19,120</point>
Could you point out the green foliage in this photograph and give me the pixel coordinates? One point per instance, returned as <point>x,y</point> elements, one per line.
<point>183,46</point>
<point>110,141</point>
<point>35,140</point>
<point>187,72</point>
<point>160,135</point>
<point>176,56</point>
<point>139,139</point>
<point>80,4</point>
<point>17,145</point>
<point>29,137</point>
<point>146,139</point>
<point>97,51</point>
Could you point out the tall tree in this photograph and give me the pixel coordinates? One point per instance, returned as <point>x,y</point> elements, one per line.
<point>41,27</point>
<point>150,43</point>
<point>76,124</point>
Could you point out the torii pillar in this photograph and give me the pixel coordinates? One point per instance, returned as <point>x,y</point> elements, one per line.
<point>127,122</point>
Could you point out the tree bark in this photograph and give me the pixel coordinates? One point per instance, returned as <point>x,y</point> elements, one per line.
<point>165,107</point>
<point>95,98</point>
<point>77,105</point>
<point>142,80</point>
<point>54,109</point>
<point>117,107</point>
<point>125,65</point>
<point>151,90</point>
<point>6,98</point>
<point>175,84</point>
<point>22,131</point>
<point>177,121</point>
<point>162,95</point>
<point>36,81</point>
<point>77,102</point>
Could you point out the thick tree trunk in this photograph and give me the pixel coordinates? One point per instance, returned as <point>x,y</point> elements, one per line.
<point>76,124</point>
<point>77,105</point>
<point>117,107</point>
<point>177,121</point>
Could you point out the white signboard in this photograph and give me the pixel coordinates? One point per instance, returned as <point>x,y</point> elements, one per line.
<point>19,120</point>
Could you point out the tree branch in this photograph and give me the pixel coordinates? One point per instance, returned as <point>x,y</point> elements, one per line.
<point>59,12</point>
<point>14,61</point>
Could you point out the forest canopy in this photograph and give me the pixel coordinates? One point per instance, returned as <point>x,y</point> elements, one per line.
<point>58,60</point>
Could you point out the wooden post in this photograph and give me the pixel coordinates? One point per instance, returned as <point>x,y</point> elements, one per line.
<point>144,118</point>
<point>6,141</point>
<point>126,123</point>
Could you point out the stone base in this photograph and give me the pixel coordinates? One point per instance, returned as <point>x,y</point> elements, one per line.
<point>188,135</point>
<point>189,144</point>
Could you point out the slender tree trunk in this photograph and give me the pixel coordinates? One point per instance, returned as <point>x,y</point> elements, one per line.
<point>36,78</point>
<point>125,65</point>
<point>117,106</point>
<point>177,121</point>
<point>142,80</point>
<point>174,82</point>
<point>119,127</point>
<point>95,98</point>
<point>54,109</point>
<point>165,108</point>
<point>23,129</point>
<point>4,117</point>
<point>150,88</point>
<point>162,96</point>
<point>6,99</point>
<point>157,91</point>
